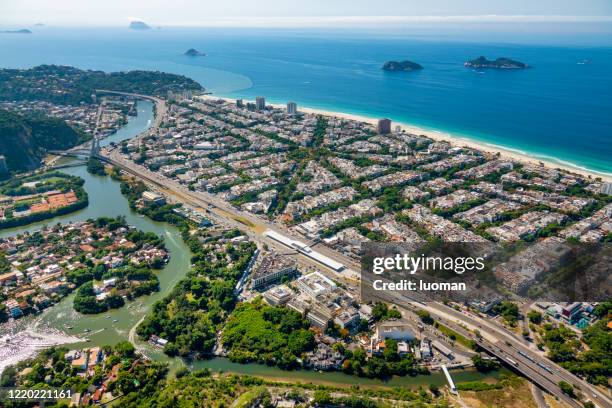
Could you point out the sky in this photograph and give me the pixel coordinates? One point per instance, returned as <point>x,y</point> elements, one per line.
<point>291,13</point>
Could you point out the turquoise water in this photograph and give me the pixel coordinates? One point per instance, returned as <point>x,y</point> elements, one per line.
<point>558,109</point>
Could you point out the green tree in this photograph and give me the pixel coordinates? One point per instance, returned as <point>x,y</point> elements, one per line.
<point>95,166</point>
<point>534,317</point>
<point>567,388</point>
<point>322,397</point>
<point>124,349</point>
<point>509,312</point>
<point>425,317</point>
<point>8,377</point>
<point>484,365</point>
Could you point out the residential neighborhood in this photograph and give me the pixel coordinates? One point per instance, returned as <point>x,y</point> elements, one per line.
<point>42,267</point>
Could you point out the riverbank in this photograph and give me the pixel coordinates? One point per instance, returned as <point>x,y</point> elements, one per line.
<point>454,139</point>
<point>338,378</point>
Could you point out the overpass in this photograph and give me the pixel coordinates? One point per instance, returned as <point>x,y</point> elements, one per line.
<point>71,153</point>
<point>81,151</point>
<point>536,368</point>
<point>67,165</point>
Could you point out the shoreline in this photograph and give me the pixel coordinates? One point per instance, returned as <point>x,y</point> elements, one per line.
<point>19,344</point>
<point>337,378</point>
<point>454,140</point>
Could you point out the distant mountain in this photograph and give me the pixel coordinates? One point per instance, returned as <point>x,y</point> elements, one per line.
<point>395,66</point>
<point>22,31</point>
<point>192,52</point>
<point>500,63</point>
<point>26,138</point>
<point>139,25</point>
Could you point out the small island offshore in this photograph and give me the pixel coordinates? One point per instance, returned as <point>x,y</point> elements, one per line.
<point>22,31</point>
<point>397,66</point>
<point>192,52</point>
<point>139,25</point>
<point>500,63</point>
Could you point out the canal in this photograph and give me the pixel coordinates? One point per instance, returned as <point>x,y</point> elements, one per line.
<point>105,199</point>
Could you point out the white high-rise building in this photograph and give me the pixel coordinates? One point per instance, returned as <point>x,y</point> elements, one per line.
<point>260,103</point>
<point>291,108</point>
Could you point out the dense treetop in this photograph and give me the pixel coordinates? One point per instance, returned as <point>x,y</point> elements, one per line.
<point>26,138</point>
<point>71,86</point>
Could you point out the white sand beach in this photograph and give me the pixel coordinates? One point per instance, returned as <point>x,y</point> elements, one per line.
<point>27,343</point>
<point>453,139</point>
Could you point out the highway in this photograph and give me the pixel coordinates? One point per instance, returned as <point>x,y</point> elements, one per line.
<point>504,338</point>
<point>506,347</point>
<point>508,351</point>
<point>224,211</point>
<point>496,340</point>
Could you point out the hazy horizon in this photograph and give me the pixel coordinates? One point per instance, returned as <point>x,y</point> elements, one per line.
<point>316,13</point>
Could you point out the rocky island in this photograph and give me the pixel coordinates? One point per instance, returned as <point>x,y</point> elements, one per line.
<point>139,25</point>
<point>398,66</point>
<point>500,63</point>
<point>192,52</point>
<point>22,31</point>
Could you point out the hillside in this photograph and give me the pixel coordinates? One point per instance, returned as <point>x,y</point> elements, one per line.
<point>25,139</point>
<point>71,86</point>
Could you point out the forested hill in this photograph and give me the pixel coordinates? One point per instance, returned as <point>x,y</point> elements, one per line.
<point>71,86</point>
<point>25,139</point>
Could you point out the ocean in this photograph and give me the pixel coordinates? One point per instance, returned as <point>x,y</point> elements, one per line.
<point>560,109</point>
